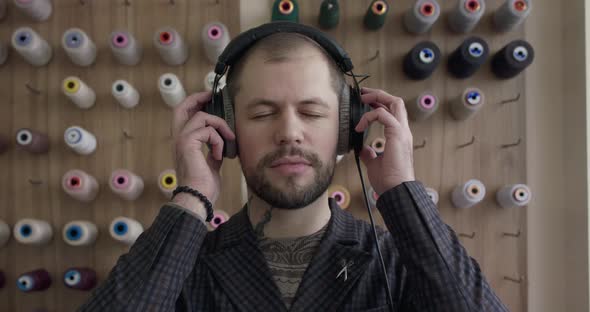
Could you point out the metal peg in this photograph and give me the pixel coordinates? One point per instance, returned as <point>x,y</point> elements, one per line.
<point>511,100</point>
<point>512,279</point>
<point>512,144</point>
<point>471,236</point>
<point>468,143</point>
<point>374,57</point>
<point>421,145</point>
<point>517,234</point>
<point>35,181</point>
<point>32,89</point>
<point>127,134</point>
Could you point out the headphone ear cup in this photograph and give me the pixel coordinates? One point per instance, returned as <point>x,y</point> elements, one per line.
<point>344,122</point>
<point>357,110</point>
<point>219,107</point>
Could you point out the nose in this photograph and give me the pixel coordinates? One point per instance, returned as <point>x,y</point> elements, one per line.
<point>288,129</point>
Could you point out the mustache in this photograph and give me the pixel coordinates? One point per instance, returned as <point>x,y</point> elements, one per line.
<point>268,159</point>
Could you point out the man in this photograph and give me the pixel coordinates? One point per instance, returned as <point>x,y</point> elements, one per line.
<point>291,247</point>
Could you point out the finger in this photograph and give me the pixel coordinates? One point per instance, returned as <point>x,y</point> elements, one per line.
<point>183,112</point>
<point>381,115</point>
<point>399,111</point>
<point>379,98</point>
<point>209,136</point>
<point>212,162</point>
<point>368,156</point>
<point>202,119</point>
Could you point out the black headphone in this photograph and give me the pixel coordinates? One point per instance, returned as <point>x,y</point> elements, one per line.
<point>351,106</point>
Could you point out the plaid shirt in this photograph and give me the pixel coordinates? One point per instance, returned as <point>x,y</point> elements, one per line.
<point>177,265</point>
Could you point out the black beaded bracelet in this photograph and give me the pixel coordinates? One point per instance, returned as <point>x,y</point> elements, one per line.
<point>203,198</point>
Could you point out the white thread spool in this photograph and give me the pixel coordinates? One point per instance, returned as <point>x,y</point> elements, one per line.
<point>514,195</point>
<point>125,230</point>
<point>38,10</point>
<point>210,79</point>
<point>171,89</point>
<point>3,52</point>
<point>80,233</point>
<point>466,15</point>
<point>125,48</point>
<point>125,94</point>
<point>340,194</point>
<point>219,218</point>
<point>511,14</point>
<point>126,184</point>
<point>32,232</point>
<point>468,194</point>
<point>80,140</point>
<point>422,107</point>
<point>215,37</point>
<point>80,185</point>
<point>171,46</point>
<point>167,182</point>
<point>34,49</point>
<point>78,92</point>
<point>4,233</point>
<point>469,103</point>
<point>420,18</point>
<point>79,47</point>
<point>433,194</point>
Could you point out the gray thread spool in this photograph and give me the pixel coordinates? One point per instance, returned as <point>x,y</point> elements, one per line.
<point>511,14</point>
<point>38,10</point>
<point>3,52</point>
<point>420,18</point>
<point>423,106</point>
<point>514,195</point>
<point>34,49</point>
<point>470,101</point>
<point>433,194</point>
<point>125,48</point>
<point>79,47</point>
<point>32,141</point>
<point>171,46</point>
<point>468,194</point>
<point>215,37</point>
<point>466,15</point>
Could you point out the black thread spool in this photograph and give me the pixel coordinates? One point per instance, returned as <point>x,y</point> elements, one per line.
<point>468,57</point>
<point>512,59</point>
<point>422,60</point>
<point>329,14</point>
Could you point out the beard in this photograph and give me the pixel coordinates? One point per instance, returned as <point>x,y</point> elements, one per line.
<point>295,196</point>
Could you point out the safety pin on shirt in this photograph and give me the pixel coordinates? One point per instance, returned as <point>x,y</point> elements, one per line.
<point>345,269</point>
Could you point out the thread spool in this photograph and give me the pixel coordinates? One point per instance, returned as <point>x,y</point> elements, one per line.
<point>511,14</point>
<point>466,15</point>
<point>209,80</point>
<point>171,46</point>
<point>378,145</point>
<point>125,230</point>
<point>465,106</point>
<point>29,44</point>
<point>2,280</point>
<point>125,48</point>
<point>422,60</point>
<point>373,197</point>
<point>329,14</point>
<point>2,10</point>
<point>420,18</point>
<point>126,184</point>
<point>285,10</point>
<point>167,182</point>
<point>80,140</point>
<point>79,47</point>
<point>37,10</point>
<point>32,141</point>
<point>340,195</point>
<point>125,94</point>
<point>219,217</point>
<point>78,92</point>
<point>468,57</point>
<point>433,194</point>
<point>376,15</point>
<point>512,59</point>
<point>80,185</point>
<point>423,106</point>
<point>468,194</point>
<point>80,278</point>
<point>3,52</point>
<point>513,195</point>
<point>4,233</point>
<point>4,144</point>
<point>32,232</point>
<point>37,280</point>
<point>339,158</point>
<point>79,233</point>
<point>171,89</point>
<point>215,37</point>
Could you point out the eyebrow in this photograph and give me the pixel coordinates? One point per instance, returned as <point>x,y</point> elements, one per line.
<point>265,102</point>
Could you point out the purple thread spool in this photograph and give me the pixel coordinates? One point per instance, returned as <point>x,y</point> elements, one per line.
<point>80,278</point>
<point>120,40</point>
<point>37,280</point>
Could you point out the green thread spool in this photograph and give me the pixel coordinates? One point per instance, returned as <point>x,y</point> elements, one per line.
<point>329,14</point>
<point>285,10</point>
<point>376,14</point>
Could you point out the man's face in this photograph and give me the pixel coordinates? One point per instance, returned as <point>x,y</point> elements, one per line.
<point>287,127</point>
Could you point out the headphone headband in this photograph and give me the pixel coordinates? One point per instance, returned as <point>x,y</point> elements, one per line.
<point>238,46</point>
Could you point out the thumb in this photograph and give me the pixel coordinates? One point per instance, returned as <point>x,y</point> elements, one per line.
<point>212,162</point>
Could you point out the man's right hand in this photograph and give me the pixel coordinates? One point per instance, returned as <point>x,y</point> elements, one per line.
<point>191,128</point>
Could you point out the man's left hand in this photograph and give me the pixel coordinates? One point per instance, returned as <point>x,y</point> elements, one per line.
<point>396,164</point>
